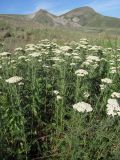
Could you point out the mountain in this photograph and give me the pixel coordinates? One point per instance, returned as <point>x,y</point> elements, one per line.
<point>79,17</point>
<point>17,30</point>
<point>76,18</point>
<point>86,16</point>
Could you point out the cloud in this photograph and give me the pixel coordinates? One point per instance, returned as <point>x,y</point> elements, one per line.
<point>47,5</point>
<point>105,5</point>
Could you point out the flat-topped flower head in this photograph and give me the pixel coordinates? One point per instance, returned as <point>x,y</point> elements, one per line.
<point>56,92</point>
<point>19,49</point>
<point>58,97</point>
<point>14,79</point>
<point>55,59</point>
<point>35,54</point>
<point>30,49</point>
<point>5,54</point>
<point>86,94</point>
<point>75,54</point>
<point>21,57</point>
<point>72,64</point>
<point>106,81</point>
<point>66,48</point>
<point>95,48</point>
<point>82,107</point>
<point>76,57</point>
<point>115,95</point>
<point>113,107</point>
<point>103,86</point>
<point>81,72</point>
<point>20,83</point>
<point>93,58</point>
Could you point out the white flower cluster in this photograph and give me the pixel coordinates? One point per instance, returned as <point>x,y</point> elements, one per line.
<point>113,107</point>
<point>93,59</point>
<point>14,79</point>
<point>58,97</point>
<point>35,54</point>
<point>115,95</point>
<point>81,72</point>
<point>5,54</point>
<point>66,48</point>
<point>82,107</point>
<point>106,81</point>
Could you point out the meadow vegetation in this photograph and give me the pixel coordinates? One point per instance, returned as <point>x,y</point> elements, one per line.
<point>60,101</point>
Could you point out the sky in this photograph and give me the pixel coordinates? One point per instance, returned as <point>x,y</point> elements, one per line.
<point>58,7</point>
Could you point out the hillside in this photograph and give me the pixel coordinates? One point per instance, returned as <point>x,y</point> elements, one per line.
<point>86,16</point>
<point>18,30</point>
<point>76,18</point>
<point>80,17</point>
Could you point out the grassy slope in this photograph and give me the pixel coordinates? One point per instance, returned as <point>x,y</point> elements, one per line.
<point>17,30</point>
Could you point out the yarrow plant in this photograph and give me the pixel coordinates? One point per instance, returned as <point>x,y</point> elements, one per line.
<point>81,72</point>
<point>60,102</point>
<point>14,79</point>
<point>82,107</point>
<point>113,107</point>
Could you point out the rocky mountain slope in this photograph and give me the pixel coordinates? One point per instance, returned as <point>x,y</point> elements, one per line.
<point>77,18</point>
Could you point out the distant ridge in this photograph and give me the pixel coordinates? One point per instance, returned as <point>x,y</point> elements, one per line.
<point>83,16</point>
<point>76,18</point>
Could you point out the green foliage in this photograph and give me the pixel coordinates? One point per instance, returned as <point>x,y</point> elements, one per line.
<point>37,123</point>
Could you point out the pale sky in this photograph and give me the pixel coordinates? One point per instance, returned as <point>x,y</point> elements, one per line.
<point>105,7</point>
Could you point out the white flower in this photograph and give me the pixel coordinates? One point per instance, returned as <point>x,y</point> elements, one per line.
<point>76,57</point>
<point>35,54</point>
<point>30,49</point>
<point>81,46</point>
<point>19,49</point>
<point>115,95</point>
<point>86,63</point>
<point>86,94</point>
<point>45,66</point>
<point>83,42</point>
<point>95,48</point>
<point>66,48</point>
<point>113,107</point>
<point>82,107</point>
<point>67,54</point>
<point>109,49</point>
<point>118,49</point>
<point>56,59</point>
<point>103,86</point>
<point>81,72</point>
<point>21,57</point>
<point>59,97</point>
<point>75,54</point>
<point>113,71</point>
<point>56,92</point>
<point>12,61</point>
<point>14,79</point>
<point>57,51</point>
<point>93,58</point>
<point>27,60</point>
<point>39,60</point>
<point>72,64</point>
<point>103,59</point>
<point>5,54</point>
<point>106,80</point>
<point>118,60</point>
<point>20,83</point>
